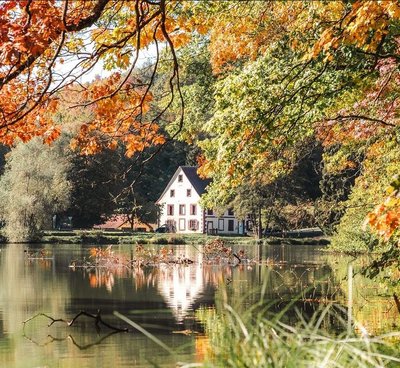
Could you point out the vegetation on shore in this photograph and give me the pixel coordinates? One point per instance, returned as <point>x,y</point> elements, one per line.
<point>100,237</point>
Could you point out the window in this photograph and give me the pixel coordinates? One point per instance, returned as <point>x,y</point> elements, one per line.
<point>230,225</point>
<point>182,209</point>
<point>193,225</point>
<point>210,212</point>
<point>193,209</point>
<point>180,178</point>
<point>172,193</point>
<point>220,224</point>
<point>230,212</point>
<point>170,210</point>
<point>182,224</point>
<point>188,192</point>
<point>171,225</point>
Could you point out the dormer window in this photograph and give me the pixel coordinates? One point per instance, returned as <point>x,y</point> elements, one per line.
<point>188,192</point>
<point>180,178</point>
<point>172,193</point>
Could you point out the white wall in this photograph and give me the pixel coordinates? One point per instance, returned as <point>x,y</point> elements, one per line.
<point>181,198</point>
<point>226,224</point>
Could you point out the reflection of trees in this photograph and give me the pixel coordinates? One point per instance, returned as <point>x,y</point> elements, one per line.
<point>373,306</point>
<point>28,286</point>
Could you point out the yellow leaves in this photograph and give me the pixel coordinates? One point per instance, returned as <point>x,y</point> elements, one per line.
<point>393,9</point>
<point>385,218</point>
<point>364,26</point>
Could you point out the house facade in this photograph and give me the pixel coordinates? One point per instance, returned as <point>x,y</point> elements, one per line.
<point>181,211</point>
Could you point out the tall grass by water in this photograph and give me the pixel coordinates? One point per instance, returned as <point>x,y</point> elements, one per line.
<point>258,337</point>
<point>236,340</point>
<point>264,334</point>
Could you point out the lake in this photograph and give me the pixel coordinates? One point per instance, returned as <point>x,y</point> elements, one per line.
<point>166,301</point>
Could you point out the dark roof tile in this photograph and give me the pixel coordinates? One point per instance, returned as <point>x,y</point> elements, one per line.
<point>198,183</point>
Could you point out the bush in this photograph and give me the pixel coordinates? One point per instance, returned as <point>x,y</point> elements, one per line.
<point>351,236</point>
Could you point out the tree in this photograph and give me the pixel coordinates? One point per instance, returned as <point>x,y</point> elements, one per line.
<point>280,73</point>
<point>96,181</point>
<point>33,188</point>
<point>287,202</point>
<point>48,46</point>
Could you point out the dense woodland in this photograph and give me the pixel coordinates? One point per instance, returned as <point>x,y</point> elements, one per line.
<point>291,107</point>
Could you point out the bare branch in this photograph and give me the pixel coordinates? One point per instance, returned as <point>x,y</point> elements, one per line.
<point>96,317</point>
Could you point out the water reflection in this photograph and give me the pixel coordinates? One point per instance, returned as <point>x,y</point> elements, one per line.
<point>162,299</point>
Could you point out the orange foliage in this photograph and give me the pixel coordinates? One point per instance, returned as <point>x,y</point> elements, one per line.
<point>244,31</point>
<point>385,218</point>
<point>38,35</point>
<point>364,26</point>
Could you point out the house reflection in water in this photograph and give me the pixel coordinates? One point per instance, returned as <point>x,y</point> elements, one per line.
<point>184,286</point>
<point>180,286</point>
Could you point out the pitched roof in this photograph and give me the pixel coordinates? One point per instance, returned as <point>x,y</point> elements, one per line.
<point>114,222</point>
<point>199,184</point>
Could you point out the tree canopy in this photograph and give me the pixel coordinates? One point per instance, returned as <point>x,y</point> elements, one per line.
<point>249,83</point>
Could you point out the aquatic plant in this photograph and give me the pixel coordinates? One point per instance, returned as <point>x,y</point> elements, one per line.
<point>248,339</point>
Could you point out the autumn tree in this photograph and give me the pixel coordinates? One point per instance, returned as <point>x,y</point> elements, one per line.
<point>48,46</point>
<point>279,73</point>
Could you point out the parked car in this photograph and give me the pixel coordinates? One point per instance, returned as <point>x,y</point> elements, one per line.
<point>166,229</point>
<point>162,229</point>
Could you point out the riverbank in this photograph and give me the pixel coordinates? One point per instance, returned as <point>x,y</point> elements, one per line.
<point>100,237</point>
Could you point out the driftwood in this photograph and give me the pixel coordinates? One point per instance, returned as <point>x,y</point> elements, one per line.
<point>97,317</point>
<point>215,252</point>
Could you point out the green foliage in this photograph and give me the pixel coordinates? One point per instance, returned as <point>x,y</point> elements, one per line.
<point>264,114</point>
<point>381,163</point>
<point>350,237</point>
<point>197,83</point>
<point>33,188</point>
<point>95,182</point>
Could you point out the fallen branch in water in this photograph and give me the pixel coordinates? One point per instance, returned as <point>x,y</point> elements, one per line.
<point>70,338</point>
<point>96,317</point>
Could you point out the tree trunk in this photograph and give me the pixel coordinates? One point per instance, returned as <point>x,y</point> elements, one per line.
<point>259,232</point>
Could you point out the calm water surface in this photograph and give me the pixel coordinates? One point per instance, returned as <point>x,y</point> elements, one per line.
<point>163,300</point>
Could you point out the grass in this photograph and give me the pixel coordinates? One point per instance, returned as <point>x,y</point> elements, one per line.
<point>99,237</point>
<point>262,339</point>
<point>256,338</point>
<point>120,237</point>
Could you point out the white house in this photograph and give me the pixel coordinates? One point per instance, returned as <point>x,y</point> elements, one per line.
<point>182,213</point>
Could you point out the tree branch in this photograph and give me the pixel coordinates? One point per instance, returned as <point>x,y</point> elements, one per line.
<point>362,117</point>
<point>96,317</point>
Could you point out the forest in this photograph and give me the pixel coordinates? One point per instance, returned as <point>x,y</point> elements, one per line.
<point>291,107</point>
